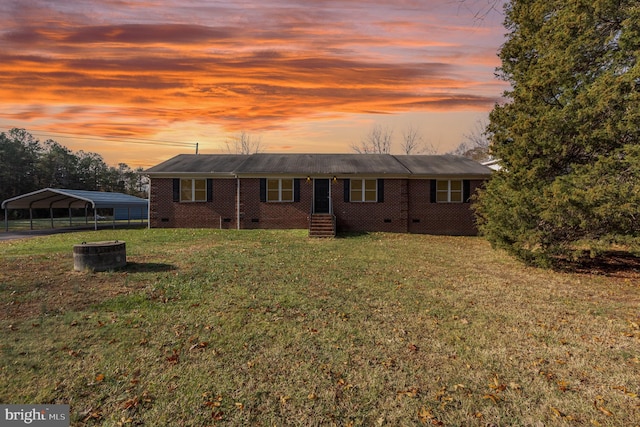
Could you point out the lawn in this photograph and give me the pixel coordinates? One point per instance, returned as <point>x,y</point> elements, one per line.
<point>209,327</point>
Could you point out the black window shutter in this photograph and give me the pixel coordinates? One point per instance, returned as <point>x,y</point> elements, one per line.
<point>263,189</point>
<point>466,191</point>
<point>296,190</point>
<point>380,190</point>
<point>209,190</point>
<point>347,190</point>
<point>434,189</point>
<point>176,189</point>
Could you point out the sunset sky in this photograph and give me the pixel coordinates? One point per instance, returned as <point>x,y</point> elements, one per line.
<point>139,81</point>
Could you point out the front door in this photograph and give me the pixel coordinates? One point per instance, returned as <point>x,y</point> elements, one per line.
<point>321,196</point>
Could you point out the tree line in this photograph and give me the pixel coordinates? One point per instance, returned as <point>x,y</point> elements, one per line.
<point>27,164</point>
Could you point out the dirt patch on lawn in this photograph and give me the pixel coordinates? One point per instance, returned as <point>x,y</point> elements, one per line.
<point>618,264</point>
<point>33,287</point>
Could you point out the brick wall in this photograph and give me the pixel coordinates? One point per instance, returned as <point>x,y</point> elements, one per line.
<point>389,215</point>
<point>218,213</point>
<point>438,218</point>
<point>279,215</point>
<point>406,208</point>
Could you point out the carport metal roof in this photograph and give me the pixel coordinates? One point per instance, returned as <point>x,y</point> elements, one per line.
<point>53,198</point>
<point>60,198</point>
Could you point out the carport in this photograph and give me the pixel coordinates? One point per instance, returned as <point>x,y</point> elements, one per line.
<point>52,198</point>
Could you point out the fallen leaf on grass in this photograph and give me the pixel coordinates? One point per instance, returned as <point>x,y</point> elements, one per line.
<point>497,385</point>
<point>130,403</point>
<point>493,397</point>
<point>99,378</point>
<point>174,358</point>
<point>547,374</point>
<point>625,391</point>
<point>563,385</point>
<point>199,345</point>
<point>603,410</point>
<point>134,402</point>
<point>410,392</point>
<point>425,415</point>
<point>91,414</point>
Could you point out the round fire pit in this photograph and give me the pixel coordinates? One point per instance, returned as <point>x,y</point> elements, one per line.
<point>99,256</point>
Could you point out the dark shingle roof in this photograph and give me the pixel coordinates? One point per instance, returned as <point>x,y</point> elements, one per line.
<point>328,164</point>
<point>200,163</point>
<point>320,164</point>
<point>446,164</point>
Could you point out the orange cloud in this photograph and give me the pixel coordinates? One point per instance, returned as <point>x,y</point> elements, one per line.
<point>132,68</point>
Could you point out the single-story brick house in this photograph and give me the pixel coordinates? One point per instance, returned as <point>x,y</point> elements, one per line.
<point>323,192</point>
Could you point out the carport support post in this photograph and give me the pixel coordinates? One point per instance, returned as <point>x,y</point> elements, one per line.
<point>6,218</point>
<point>51,212</point>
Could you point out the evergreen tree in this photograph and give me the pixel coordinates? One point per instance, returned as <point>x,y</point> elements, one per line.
<point>568,136</point>
<point>19,155</point>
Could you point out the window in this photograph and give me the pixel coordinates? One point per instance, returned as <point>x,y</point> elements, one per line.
<point>280,190</point>
<point>449,191</point>
<point>193,190</point>
<point>364,190</point>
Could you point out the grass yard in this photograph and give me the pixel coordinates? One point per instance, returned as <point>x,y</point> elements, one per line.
<point>264,328</point>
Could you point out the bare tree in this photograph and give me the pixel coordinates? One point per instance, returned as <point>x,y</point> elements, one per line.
<point>481,8</point>
<point>413,142</point>
<point>244,143</point>
<point>476,143</point>
<point>377,141</point>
